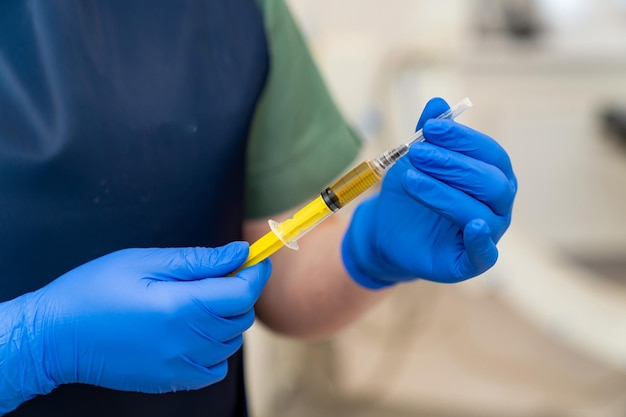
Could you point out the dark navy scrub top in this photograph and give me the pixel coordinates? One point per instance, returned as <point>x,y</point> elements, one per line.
<point>142,123</point>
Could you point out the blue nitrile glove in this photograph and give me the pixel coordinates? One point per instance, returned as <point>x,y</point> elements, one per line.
<point>440,212</point>
<point>149,320</point>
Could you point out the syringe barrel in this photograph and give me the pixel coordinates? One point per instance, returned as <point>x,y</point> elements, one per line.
<point>303,220</point>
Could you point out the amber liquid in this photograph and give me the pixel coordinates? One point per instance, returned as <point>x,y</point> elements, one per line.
<point>355,182</point>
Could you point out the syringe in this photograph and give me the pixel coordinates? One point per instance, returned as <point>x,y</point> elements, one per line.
<point>352,184</point>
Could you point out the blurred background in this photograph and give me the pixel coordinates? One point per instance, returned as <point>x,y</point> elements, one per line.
<point>543,334</point>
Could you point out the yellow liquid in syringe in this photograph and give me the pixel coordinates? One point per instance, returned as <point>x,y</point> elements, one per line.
<point>354,183</point>
<point>341,192</point>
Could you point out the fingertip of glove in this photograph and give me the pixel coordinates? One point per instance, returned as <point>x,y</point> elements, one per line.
<point>433,108</point>
<point>481,249</point>
<point>217,372</point>
<point>421,153</point>
<point>259,272</point>
<point>413,182</point>
<point>478,227</point>
<point>232,253</point>
<point>238,248</point>
<point>204,262</point>
<point>435,128</point>
<point>437,105</point>
<point>266,268</point>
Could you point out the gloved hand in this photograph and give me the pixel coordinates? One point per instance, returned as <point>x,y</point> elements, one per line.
<point>149,320</point>
<point>440,212</point>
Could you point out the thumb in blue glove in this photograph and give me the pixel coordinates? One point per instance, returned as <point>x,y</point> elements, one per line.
<point>440,212</point>
<point>149,320</point>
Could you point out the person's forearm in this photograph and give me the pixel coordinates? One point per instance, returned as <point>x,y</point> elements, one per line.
<point>310,294</point>
<point>17,361</point>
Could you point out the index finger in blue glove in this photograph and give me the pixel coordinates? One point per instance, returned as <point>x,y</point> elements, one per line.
<point>233,296</point>
<point>456,137</point>
<point>434,108</point>
<point>184,264</point>
<point>479,179</point>
<point>451,203</point>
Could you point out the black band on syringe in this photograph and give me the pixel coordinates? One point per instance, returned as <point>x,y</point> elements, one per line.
<point>331,199</point>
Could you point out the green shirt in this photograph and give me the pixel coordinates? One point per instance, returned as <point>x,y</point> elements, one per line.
<point>299,142</point>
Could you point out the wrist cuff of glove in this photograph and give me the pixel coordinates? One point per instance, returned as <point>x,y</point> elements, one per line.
<point>22,377</point>
<point>351,264</point>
